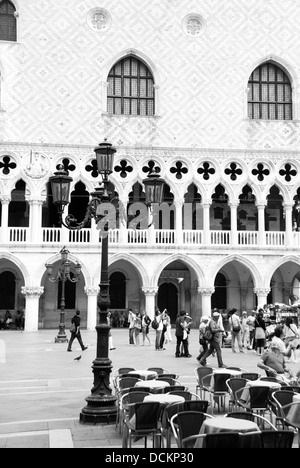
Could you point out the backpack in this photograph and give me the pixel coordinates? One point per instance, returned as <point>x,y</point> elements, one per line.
<point>154,324</point>
<point>208,334</point>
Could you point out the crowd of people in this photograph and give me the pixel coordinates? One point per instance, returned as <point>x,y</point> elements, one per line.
<point>8,323</point>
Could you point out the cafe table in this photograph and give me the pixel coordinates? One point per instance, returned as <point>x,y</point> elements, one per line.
<point>152,384</point>
<point>222,424</point>
<point>165,398</point>
<point>145,374</point>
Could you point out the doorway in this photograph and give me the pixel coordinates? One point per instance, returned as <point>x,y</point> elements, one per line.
<point>168,299</point>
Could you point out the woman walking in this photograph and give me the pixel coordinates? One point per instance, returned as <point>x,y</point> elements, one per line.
<point>260,332</point>
<point>146,320</point>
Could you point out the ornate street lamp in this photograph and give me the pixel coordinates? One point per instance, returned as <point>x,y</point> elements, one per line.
<point>101,404</point>
<point>63,275</point>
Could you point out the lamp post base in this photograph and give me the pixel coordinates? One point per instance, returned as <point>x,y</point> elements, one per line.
<point>99,410</point>
<point>61,339</point>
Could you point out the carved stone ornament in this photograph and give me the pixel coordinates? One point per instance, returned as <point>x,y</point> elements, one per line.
<point>194,25</point>
<point>99,20</point>
<point>32,291</point>
<point>38,166</point>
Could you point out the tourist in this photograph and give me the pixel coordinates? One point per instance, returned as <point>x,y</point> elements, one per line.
<point>181,337</point>
<point>215,343</point>
<point>273,363</point>
<point>245,329</point>
<point>159,329</point>
<point>137,328</point>
<point>251,326</point>
<point>146,320</point>
<point>236,331</point>
<point>75,332</point>
<point>131,320</point>
<point>203,343</point>
<point>260,332</point>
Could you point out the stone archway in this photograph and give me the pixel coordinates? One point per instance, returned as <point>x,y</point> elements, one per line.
<point>168,299</point>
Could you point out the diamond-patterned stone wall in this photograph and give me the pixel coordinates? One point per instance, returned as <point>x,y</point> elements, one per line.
<point>53,88</point>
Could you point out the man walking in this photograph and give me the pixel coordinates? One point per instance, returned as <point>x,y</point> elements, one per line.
<point>215,344</point>
<point>75,333</point>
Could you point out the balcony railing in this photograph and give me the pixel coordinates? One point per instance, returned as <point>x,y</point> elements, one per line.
<point>146,237</point>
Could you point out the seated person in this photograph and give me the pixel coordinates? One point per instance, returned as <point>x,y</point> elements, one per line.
<point>278,340</point>
<point>273,362</point>
<point>8,319</point>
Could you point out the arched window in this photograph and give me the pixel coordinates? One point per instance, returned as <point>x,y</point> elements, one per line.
<point>8,21</point>
<point>269,94</point>
<point>130,88</point>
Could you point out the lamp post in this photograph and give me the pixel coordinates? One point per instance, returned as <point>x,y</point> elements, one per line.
<point>101,404</point>
<point>63,275</point>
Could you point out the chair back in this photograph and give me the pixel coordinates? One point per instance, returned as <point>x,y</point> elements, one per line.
<point>250,375</point>
<point>282,398</point>
<point>196,405</point>
<point>124,370</point>
<point>234,384</point>
<point>174,388</point>
<point>277,439</point>
<point>241,415</point>
<point>269,379</point>
<point>147,415</point>
<point>259,397</point>
<point>139,389</point>
<point>220,385</point>
<point>170,380</point>
<point>128,400</point>
<point>201,372</point>
<point>188,423</point>
<point>222,440</point>
<point>162,376</point>
<point>126,382</point>
<point>159,370</point>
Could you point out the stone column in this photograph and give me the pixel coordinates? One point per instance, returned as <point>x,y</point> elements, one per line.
<point>92,294</point>
<point>206,222</point>
<point>35,222</point>
<point>262,295</point>
<point>150,294</point>
<point>32,296</point>
<point>5,201</point>
<point>233,214</point>
<point>261,223</point>
<point>206,294</point>
<point>123,221</point>
<point>179,234</point>
<point>288,223</point>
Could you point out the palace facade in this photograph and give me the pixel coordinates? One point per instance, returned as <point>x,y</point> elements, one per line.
<point>204,92</point>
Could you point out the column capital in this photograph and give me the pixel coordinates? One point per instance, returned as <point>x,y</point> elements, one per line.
<point>5,199</point>
<point>261,204</point>
<point>32,291</point>
<point>262,291</point>
<point>150,291</point>
<point>233,204</point>
<point>289,204</point>
<point>206,203</point>
<point>91,291</point>
<point>206,291</point>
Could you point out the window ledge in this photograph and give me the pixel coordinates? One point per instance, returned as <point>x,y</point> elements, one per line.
<point>118,116</point>
<point>2,41</point>
<point>272,121</point>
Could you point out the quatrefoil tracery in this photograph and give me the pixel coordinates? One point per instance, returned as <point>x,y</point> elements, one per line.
<point>6,165</point>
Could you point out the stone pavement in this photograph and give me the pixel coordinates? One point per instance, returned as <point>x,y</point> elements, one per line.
<point>43,389</point>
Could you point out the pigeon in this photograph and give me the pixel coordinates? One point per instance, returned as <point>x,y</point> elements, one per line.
<point>78,358</point>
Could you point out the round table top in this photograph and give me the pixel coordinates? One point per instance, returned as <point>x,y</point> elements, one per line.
<point>144,373</point>
<point>221,424</point>
<point>165,398</point>
<point>296,398</point>
<point>232,372</point>
<point>263,383</point>
<point>152,384</point>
